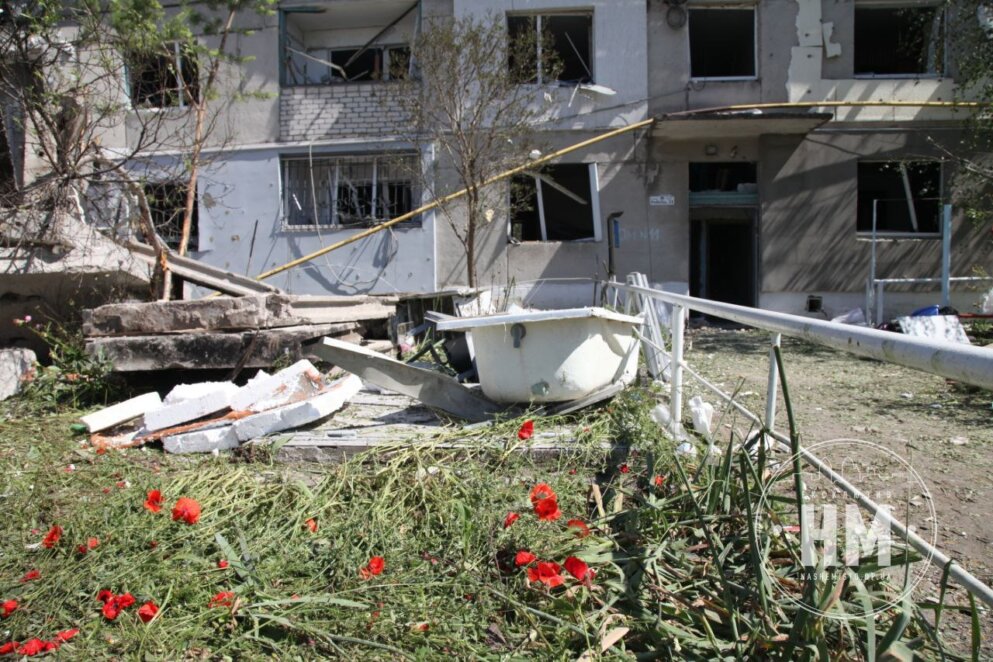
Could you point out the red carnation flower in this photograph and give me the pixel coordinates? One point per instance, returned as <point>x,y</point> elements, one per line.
<point>31,647</point>
<point>547,572</point>
<point>187,510</point>
<point>542,491</point>
<point>578,568</point>
<point>66,635</point>
<point>547,510</point>
<point>312,525</point>
<point>659,481</point>
<point>625,469</point>
<point>147,611</point>
<point>580,525</point>
<point>8,607</point>
<point>374,567</point>
<point>222,599</point>
<point>52,537</point>
<point>105,596</point>
<point>154,501</point>
<point>510,519</point>
<point>92,543</point>
<point>8,648</point>
<point>524,557</point>
<point>526,430</point>
<point>222,564</point>
<point>30,576</point>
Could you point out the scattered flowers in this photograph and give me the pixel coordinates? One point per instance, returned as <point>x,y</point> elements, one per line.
<point>8,608</point>
<point>658,481</point>
<point>52,537</point>
<point>113,605</point>
<point>624,469</point>
<point>545,502</point>
<point>30,576</point>
<point>547,572</point>
<point>35,646</point>
<point>222,564</point>
<point>187,510</point>
<point>542,491</point>
<point>222,599</point>
<point>582,530</point>
<point>524,557</point>
<point>526,430</point>
<point>311,524</point>
<point>91,544</point>
<point>66,635</point>
<point>510,519</point>
<point>9,647</point>
<point>147,611</point>
<point>374,567</point>
<point>578,569</point>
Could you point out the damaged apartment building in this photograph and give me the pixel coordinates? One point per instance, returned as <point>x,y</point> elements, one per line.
<point>769,201</point>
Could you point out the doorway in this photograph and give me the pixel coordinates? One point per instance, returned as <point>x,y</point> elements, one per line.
<point>724,254</point>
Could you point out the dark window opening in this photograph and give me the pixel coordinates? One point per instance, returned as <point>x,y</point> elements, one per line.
<point>163,80</point>
<point>390,63</point>
<point>881,186</point>
<point>722,43</point>
<point>563,43</point>
<point>899,41</point>
<point>346,191</point>
<point>8,183</point>
<point>166,202</point>
<point>557,204</point>
<point>737,176</point>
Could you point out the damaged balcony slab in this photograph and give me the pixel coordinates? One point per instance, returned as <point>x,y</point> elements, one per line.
<point>206,350</point>
<point>232,314</point>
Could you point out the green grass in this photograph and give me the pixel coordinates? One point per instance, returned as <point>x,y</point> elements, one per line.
<point>676,565</point>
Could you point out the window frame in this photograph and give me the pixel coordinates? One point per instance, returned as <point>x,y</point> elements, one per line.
<point>178,58</point>
<point>336,160</point>
<point>900,234</point>
<point>755,41</point>
<point>904,4</point>
<point>594,183</point>
<point>538,15</point>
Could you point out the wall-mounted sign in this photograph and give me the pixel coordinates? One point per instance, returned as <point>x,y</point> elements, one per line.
<point>663,200</point>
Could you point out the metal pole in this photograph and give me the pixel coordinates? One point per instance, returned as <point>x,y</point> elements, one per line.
<point>872,264</point>
<point>946,253</point>
<point>770,392</point>
<point>676,368</point>
<point>880,287</point>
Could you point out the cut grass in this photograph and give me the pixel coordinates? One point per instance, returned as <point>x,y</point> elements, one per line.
<point>677,564</point>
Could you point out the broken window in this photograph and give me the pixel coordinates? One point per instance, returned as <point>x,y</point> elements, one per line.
<point>559,203</point>
<point>903,196</point>
<point>166,202</point>
<point>732,176</point>
<point>722,43</point>
<point>367,41</point>
<point>561,43</point>
<point>166,79</point>
<point>899,41</point>
<point>8,183</point>
<point>346,190</point>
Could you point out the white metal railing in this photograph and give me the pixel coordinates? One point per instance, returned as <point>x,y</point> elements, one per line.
<point>876,289</point>
<point>961,362</point>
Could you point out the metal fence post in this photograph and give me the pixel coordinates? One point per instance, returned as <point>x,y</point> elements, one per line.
<point>676,369</point>
<point>880,286</point>
<point>770,393</point>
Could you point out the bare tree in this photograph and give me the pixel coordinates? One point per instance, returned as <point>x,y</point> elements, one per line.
<point>469,96</point>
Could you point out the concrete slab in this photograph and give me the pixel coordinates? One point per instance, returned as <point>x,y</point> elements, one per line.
<point>300,381</point>
<point>210,397</point>
<point>202,441</point>
<point>205,350</point>
<point>122,412</point>
<point>15,365</point>
<point>300,413</point>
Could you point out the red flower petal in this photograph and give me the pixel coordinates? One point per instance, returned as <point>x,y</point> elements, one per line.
<point>524,557</point>
<point>8,648</point>
<point>376,565</point>
<point>312,525</point>
<point>105,596</point>
<point>30,576</point>
<point>547,572</point>
<point>577,568</point>
<point>222,599</point>
<point>52,537</point>
<point>526,430</point>
<point>110,610</point>
<point>66,635</point>
<point>31,647</point>
<point>547,510</point>
<point>147,611</point>
<point>510,519</point>
<point>8,607</point>
<point>625,469</point>
<point>659,481</point>
<point>222,564</point>
<point>542,491</point>
<point>124,601</point>
<point>154,501</point>
<point>579,524</point>
<point>187,510</point>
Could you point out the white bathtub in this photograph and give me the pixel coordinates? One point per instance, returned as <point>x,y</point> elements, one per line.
<point>550,355</point>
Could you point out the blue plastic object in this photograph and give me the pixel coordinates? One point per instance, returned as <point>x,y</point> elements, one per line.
<point>927,311</point>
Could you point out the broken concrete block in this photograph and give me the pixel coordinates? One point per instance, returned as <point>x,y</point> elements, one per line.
<point>122,412</point>
<point>16,365</point>
<point>300,413</point>
<point>203,399</point>
<point>298,382</point>
<point>202,441</point>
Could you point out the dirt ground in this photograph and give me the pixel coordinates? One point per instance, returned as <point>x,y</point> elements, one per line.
<point>941,428</point>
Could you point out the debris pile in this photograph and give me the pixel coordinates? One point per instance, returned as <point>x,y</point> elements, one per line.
<point>208,416</point>
<point>223,332</point>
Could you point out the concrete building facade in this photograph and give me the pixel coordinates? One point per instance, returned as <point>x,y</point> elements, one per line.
<point>767,201</point>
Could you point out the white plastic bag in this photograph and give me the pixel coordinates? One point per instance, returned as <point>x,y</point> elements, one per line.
<point>702,414</point>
